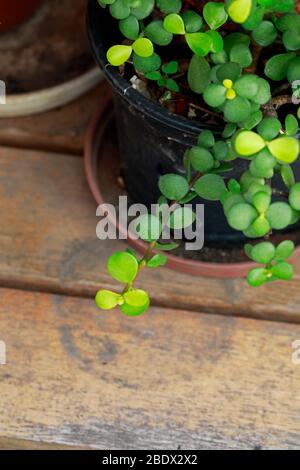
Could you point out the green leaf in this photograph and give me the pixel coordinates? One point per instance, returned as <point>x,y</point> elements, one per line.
<point>253,120</point>
<point>206,139</point>
<point>192,21</point>
<point>220,150</point>
<point>234,186</point>
<point>217,42</point>
<point>231,200</point>
<point>239,10</point>
<point>237,110</point>
<point>269,128</point>
<point>255,18</point>
<point>291,125</point>
<point>290,22</point>
<point>131,311</point>
<point>259,228</point>
<point>277,67</point>
<point>173,187</point>
<point>118,55</point>
<point>146,64</point>
<point>293,71</point>
<point>119,10</point>
<point>219,58</point>
<point>261,201</point>
<point>287,176</point>
<point>248,143</point>
<point>201,159</point>
<point>136,298</point>
<point>235,38</point>
<point>264,92</point>
<point>263,253</point>
<point>122,266</point>
<point>215,14</point>
<point>170,68</point>
<point>198,74</point>
<point>258,276</point>
<point>265,33</point>
<point>285,149</point>
<point>172,85</point>
<point>294,196</point>
<point>279,215</point>
<point>247,180</point>
<point>291,40</point>
<point>156,32</point>
<point>229,130</point>
<point>283,270</point>
<point>256,188</point>
<point>156,75</point>
<point>181,217</point>
<point>229,71</point>
<point>241,54</point>
<point>143,47</point>
<point>247,86</point>
<point>107,300</point>
<point>214,95</point>
<point>284,250</point>
<point>141,8</point>
<point>264,162</point>
<point>148,227</point>
<point>241,216</point>
<point>174,24</point>
<point>169,6</point>
<point>130,27</point>
<point>166,246</point>
<point>200,43</point>
<point>248,250</point>
<point>157,260</point>
<point>210,187</point>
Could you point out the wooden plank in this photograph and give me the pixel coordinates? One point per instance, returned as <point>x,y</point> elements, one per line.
<point>48,243</point>
<point>60,130</point>
<point>168,379</point>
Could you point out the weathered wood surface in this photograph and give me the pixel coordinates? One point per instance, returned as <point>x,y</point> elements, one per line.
<point>60,130</point>
<point>21,444</point>
<point>168,379</point>
<point>48,243</point>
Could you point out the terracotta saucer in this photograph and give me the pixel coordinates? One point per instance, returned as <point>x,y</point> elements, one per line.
<point>102,167</point>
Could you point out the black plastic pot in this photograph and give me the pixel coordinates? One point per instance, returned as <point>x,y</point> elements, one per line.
<point>152,140</point>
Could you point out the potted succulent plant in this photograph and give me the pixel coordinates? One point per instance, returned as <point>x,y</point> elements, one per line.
<point>13,12</point>
<point>206,97</point>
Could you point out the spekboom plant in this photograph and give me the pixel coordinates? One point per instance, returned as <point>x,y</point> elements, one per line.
<point>243,64</point>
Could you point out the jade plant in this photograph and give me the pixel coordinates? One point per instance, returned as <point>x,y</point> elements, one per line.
<point>243,65</point>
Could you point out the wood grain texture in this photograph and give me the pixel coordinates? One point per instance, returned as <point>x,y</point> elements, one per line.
<point>77,376</point>
<point>60,130</point>
<point>21,444</point>
<point>48,243</point>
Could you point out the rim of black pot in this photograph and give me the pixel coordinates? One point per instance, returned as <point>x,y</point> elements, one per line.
<point>125,89</point>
